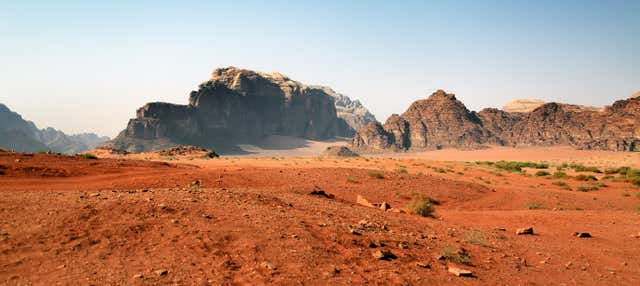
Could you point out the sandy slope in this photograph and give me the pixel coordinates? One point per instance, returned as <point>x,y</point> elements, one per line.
<point>252,221</point>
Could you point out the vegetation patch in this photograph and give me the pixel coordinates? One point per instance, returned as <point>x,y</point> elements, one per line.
<point>376,174</point>
<point>588,189</point>
<point>586,178</point>
<point>475,237</point>
<point>422,205</point>
<point>513,166</point>
<point>460,256</point>
<point>582,168</point>
<point>89,156</point>
<point>562,184</point>
<point>542,174</point>
<point>534,206</point>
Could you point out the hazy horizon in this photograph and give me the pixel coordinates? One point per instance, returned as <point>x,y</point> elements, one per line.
<point>86,67</point>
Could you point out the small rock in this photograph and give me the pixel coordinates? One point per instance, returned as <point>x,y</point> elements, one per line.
<point>460,272</point>
<point>269,265</point>
<point>175,221</point>
<point>162,206</point>
<point>355,232</point>
<point>582,234</point>
<point>423,265</point>
<point>384,255</point>
<point>207,216</point>
<point>138,276</point>
<point>568,264</point>
<point>320,192</point>
<point>403,245</point>
<point>523,231</point>
<point>385,206</point>
<point>161,272</point>
<point>362,201</point>
<point>94,195</point>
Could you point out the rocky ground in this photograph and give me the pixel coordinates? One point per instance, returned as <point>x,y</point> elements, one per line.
<point>148,219</point>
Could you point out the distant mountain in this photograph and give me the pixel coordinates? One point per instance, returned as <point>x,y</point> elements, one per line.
<point>352,111</point>
<point>635,95</point>
<point>21,135</point>
<point>442,121</point>
<point>235,106</point>
<point>522,105</point>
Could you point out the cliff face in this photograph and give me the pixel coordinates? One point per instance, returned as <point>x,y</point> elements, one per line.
<point>235,106</point>
<point>352,111</point>
<point>442,121</point>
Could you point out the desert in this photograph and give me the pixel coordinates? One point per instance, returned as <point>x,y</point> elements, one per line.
<point>248,142</point>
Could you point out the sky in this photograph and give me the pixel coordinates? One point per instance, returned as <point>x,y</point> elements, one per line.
<point>86,66</point>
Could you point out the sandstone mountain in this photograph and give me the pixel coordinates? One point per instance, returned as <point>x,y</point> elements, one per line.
<point>22,135</point>
<point>522,105</point>
<point>442,121</point>
<point>235,106</point>
<point>635,95</point>
<point>352,111</point>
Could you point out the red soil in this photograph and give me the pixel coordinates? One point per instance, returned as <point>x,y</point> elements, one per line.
<point>72,220</point>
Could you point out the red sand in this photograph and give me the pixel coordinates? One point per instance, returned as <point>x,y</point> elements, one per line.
<point>71,220</point>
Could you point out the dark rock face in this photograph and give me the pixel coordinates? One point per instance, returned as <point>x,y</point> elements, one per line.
<point>352,111</point>
<point>338,151</point>
<point>235,106</point>
<point>21,135</point>
<point>442,121</point>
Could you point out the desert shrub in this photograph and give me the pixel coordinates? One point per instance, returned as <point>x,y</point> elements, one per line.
<point>459,256</point>
<point>542,174</point>
<point>586,178</point>
<point>588,189</point>
<point>351,180</point>
<point>608,178</point>
<point>582,168</point>
<point>602,185</point>
<point>440,170</point>
<point>475,237</point>
<point>534,205</point>
<point>89,156</point>
<point>513,166</point>
<point>625,194</point>
<point>421,205</point>
<point>402,170</point>
<point>376,174</point>
<point>562,184</point>
<point>620,170</point>
<point>560,175</point>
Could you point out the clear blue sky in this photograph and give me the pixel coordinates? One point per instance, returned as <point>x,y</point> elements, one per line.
<point>87,65</point>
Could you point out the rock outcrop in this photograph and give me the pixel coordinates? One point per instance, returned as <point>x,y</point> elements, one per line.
<point>338,151</point>
<point>235,106</point>
<point>352,111</point>
<point>442,121</point>
<point>21,135</point>
<point>635,95</point>
<point>522,105</point>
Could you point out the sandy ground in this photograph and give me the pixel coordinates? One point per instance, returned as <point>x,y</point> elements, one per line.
<point>141,220</point>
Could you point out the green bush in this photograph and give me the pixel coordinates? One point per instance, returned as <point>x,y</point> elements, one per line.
<point>513,166</point>
<point>582,168</point>
<point>587,189</point>
<point>376,174</point>
<point>89,156</point>
<point>560,175</point>
<point>450,253</point>
<point>586,178</point>
<point>542,174</point>
<point>421,205</point>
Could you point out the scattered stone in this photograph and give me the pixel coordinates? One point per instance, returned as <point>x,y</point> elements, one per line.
<point>423,265</point>
<point>94,195</point>
<point>355,232</point>
<point>138,276</point>
<point>18,160</point>
<point>162,206</point>
<point>568,264</point>
<point>161,272</point>
<point>269,266</point>
<point>207,216</point>
<point>384,255</point>
<point>362,201</point>
<point>385,206</point>
<point>196,184</point>
<point>582,234</point>
<point>403,245</point>
<point>320,192</point>
<point>523,231</point>
<point>460,272</point>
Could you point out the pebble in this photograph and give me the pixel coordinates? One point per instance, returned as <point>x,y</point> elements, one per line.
<point>269,265</point>
<point>384,255</point>
<point>523,231</point>
<point>460,272</point>
<point>161,272</point>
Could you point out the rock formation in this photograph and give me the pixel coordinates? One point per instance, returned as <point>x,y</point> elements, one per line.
<point>635,95</point>
<point>352,111</point>
<point>442,121</point>
<point>235,106</point>
<point>21,135</point>
<point>522,105</point>
<point>338,151</point>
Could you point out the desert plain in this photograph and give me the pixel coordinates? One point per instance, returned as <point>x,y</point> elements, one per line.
<point>401,219</point>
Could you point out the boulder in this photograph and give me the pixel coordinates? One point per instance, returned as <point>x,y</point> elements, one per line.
<point>338,151</point>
